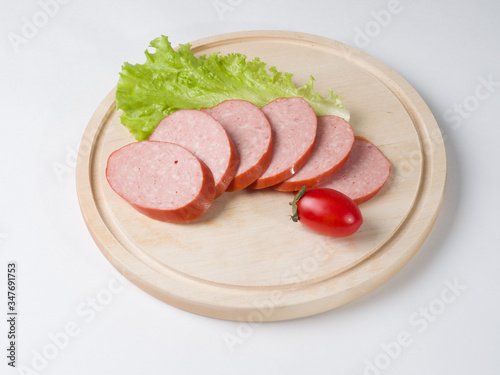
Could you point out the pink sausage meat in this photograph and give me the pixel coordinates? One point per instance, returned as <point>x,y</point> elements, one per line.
<point>334,140</point>
<point>294,124</point>
<point>205,137</point>
<point>364,173</point>
<point>249,129</point>
<point>161,180</point>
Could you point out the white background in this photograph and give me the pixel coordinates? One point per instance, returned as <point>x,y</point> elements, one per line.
<point>53,80</point>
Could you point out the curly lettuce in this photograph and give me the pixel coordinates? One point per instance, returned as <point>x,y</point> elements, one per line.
<point>171,79</point>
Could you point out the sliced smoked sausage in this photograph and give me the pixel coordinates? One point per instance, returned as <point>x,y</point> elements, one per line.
<point>250,131</point>
<point>161,180</point>
<point>334,140</point>
<point>205,137</point>
<point>293,124</point>
<point>363,174</point>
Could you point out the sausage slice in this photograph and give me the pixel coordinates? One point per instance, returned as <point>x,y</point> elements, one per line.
<point>205,137</point>
<point>364,173</point>
<point>334,140</point>
<point>161,180</point>
<point>249,129</point>
<point>294,124</point>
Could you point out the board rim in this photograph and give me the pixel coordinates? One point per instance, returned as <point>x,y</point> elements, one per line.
<point>243,310</point>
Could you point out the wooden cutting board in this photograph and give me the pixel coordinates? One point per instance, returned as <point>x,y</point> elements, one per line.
<point>245,259</point>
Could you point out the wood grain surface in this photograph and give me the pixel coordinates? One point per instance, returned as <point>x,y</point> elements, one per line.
<point>244,259</point>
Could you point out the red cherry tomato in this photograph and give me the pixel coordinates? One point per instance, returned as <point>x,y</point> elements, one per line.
<point>327,211</point>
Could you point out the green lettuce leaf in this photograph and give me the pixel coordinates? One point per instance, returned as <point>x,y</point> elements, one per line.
<point>171,79</point>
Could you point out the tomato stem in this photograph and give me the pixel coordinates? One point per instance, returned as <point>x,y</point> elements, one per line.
<point>295,215</point>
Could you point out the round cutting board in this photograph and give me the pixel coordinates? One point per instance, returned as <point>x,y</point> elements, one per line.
<point>245,259</point>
